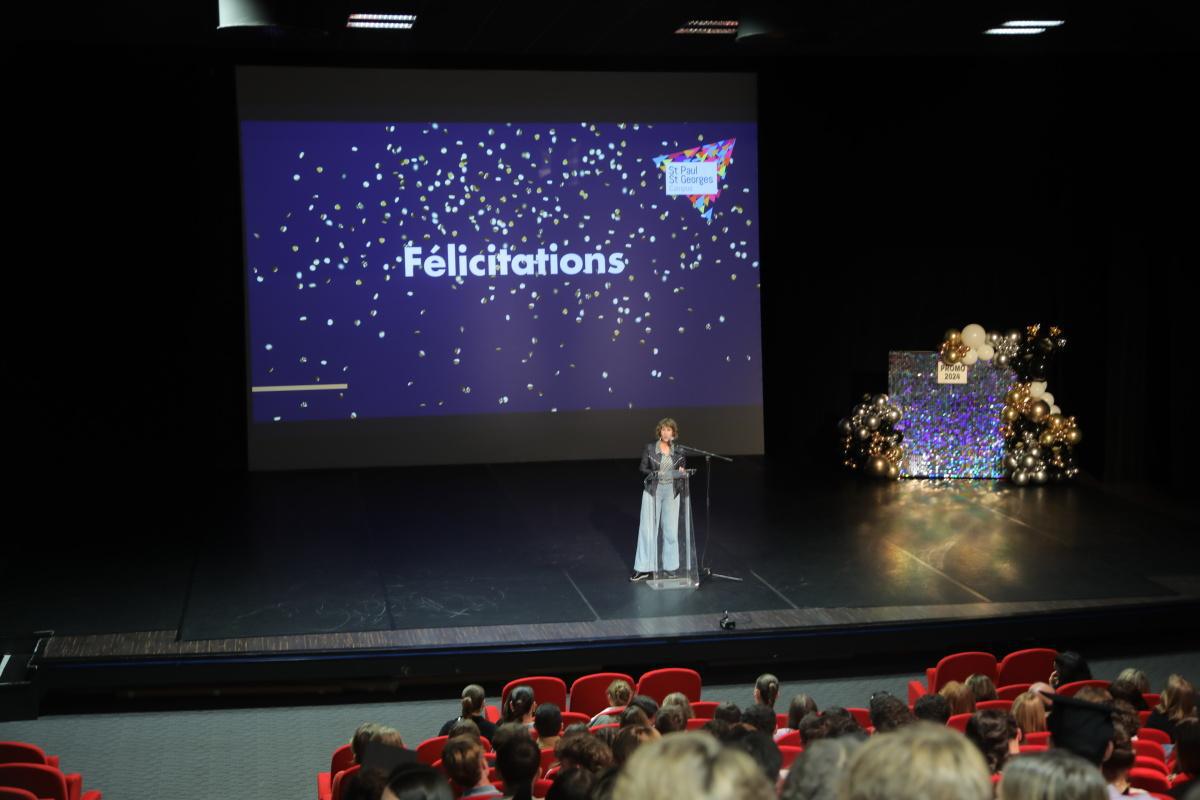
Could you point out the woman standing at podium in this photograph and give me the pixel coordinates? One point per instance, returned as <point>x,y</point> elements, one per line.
<point>664,471</point>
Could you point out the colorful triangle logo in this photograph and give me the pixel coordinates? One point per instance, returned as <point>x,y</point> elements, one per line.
<point>721,152</point>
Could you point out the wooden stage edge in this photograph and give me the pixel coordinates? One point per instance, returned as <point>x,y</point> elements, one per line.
<point>164,643</point>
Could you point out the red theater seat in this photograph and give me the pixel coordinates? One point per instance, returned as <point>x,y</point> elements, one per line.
<point>342,779</point>
<point>1154,735</point>
<point>993,705</point>
<point>1146,762</point>
<point>1012,691</point>
<point>541,787</point>
<point>958,722</point>
<point>24,753</point>
<point>1037,737</point>
<point>44,781</point>
<point>12,793</point>
<point>573,717</point>
<point>1033,665</point>
<point>589,694</point>
<point>343,758</point>
<point>430,750</point>
<point>792,740</point>
<point>789,754</point>
<point>659,683</point>
<point>1150,780</point>
<point>955,667</point>
<point>546,689</point>
<point>1150,749</point>
<point>1069,689</point>
<point>705,708</point>
<point>1033,748</point>
<point>696,723</point>
<point>861,715</point>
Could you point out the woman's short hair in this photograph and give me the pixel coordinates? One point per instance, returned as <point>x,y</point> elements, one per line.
<point>1052,775</point>
<point>692,765</point>
<point>981,687</point>
<point>680,701</point>
<point>1136,677</point>
<point>959,696</point>
<point>991,731</point>
<point>460,758</point>
<point>1030,714</point>
<point>801,705</point>
<point>666,422</point>
<point>418,782</point>
<point>587,752</point>
<point>922,761</point>
<point>620,692</point>
<point>464,727</point>
<point>373,732</point>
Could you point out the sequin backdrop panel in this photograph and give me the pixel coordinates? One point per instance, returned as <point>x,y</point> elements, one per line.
<point>328,207</point>
<point>950,430</point>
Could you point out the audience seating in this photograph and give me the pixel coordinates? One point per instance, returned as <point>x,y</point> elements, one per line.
<point>342,779</point>
<point>993,705</point>
<point>954,667</point>
<point>1033,665</point>
<point>1069,689</point>
<point>1150,780</point>
<point>1142,717</point>
<point>589,694</point>
<point>861,715</point>
<point>546,689</point>
<point>1150,749</point>
<point>541,787</point>
<point>1146,762</point>
<point>572,717</point>
<point>658,683</point>
<point>696,723</point>
<point>25,753</point>
<point>44,781</point>
<point>1037,737</point>
<point>781,720</point>
<point>1152,698</point>
<point>792,739</point>
<point>13,793</point>
<point>789,754</point>
<point>704,708</point>
<point>343,758</point>
<point>548,759</point>
<point>958,722</point>
<point>1154,735</point>
<point>430,750</point>
<point>1033,748</point>
<point>1012,691</point>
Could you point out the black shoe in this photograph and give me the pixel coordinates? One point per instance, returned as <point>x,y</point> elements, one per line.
<point>639,576</point>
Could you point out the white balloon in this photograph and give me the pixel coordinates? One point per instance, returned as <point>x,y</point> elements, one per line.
<point>1047,398</point>
<point>1055,410</point>
<point>1037,388</point>
<point>974,335</point>
<point>971,357</point>
<point>986,351</point>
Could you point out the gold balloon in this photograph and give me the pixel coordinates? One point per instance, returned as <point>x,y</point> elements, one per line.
<point>1047,438</point>
<point>1017,395</point>
<point>893,472</point>
<point>1037,411</point>
<point>1055,421</point>
<point>954,336</point>
<point>951,355</point>
<point>876,466</point>
<point>1073,436</point>
<point>1009,414</point>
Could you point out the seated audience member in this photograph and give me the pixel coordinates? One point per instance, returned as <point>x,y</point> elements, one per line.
<point>813,727</point>
<point>693,766</point>
<point>547,721</point>
<point>761,717</point>
<point>669,719</point>
<point>646,704</point>
<point>576,728</point>
<point>519,762</point>
<point>719,729</point>
<point>1176,703</point>
<point>959,696</point>
<point>1119,760</point>
<point>466,727</point>
<point>519,706</point>
<point>1069,667</point>
<point>1187,757</point>
<point>840,722</point>
<point>606,735</point>
<point>728,712</point>
<point>888,712</point>
<point>507,732</point>
<point>1137,678</point>
<point>367,784</point>
<point>1052,775</point>
<point>921,761</point>
<point>932,708</point>
<point>472,709</point>
<point>766,690</point>
<point>417,782</point>
<point>1094,694</point>
<point>801,704</point>
<point>1129,692</point>
<point>1044,693</point>
<point>633,715</point>
<point>982,688</point>
<point>630,739</point>
<point>619,694</point>
<point>1029,713</point>
<point>679,700</point>
<point>464,762</point>
<point>815,773</point>
<point>373,732</point>
<point>997,736</point>
<point>762,748</point>
<point>1083,728</point>
<point>573,783</point>
<point>587,752</point>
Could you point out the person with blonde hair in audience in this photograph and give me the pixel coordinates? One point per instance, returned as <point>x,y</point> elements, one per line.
<point>464,761</point>
<point>373,732</point>
<point>1136,677</point>
<point>1029,713</point>
<point>691,766</point>
<point>473,699</point>
<point>619,694</point>
<point>679,700</point>
<point>959,696</point>
<point>1052,775</point>
<point>766,690</point>
<point>921,761</point>
<point>1176,703</point>
<point>982,688</point>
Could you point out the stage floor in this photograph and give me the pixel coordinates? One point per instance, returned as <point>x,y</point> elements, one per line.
<point>539,555</point>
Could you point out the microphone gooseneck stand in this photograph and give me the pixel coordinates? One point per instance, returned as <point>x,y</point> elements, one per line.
<point>706,572</point>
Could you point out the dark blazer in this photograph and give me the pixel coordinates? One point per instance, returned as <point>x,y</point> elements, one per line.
<point>651,459</point>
